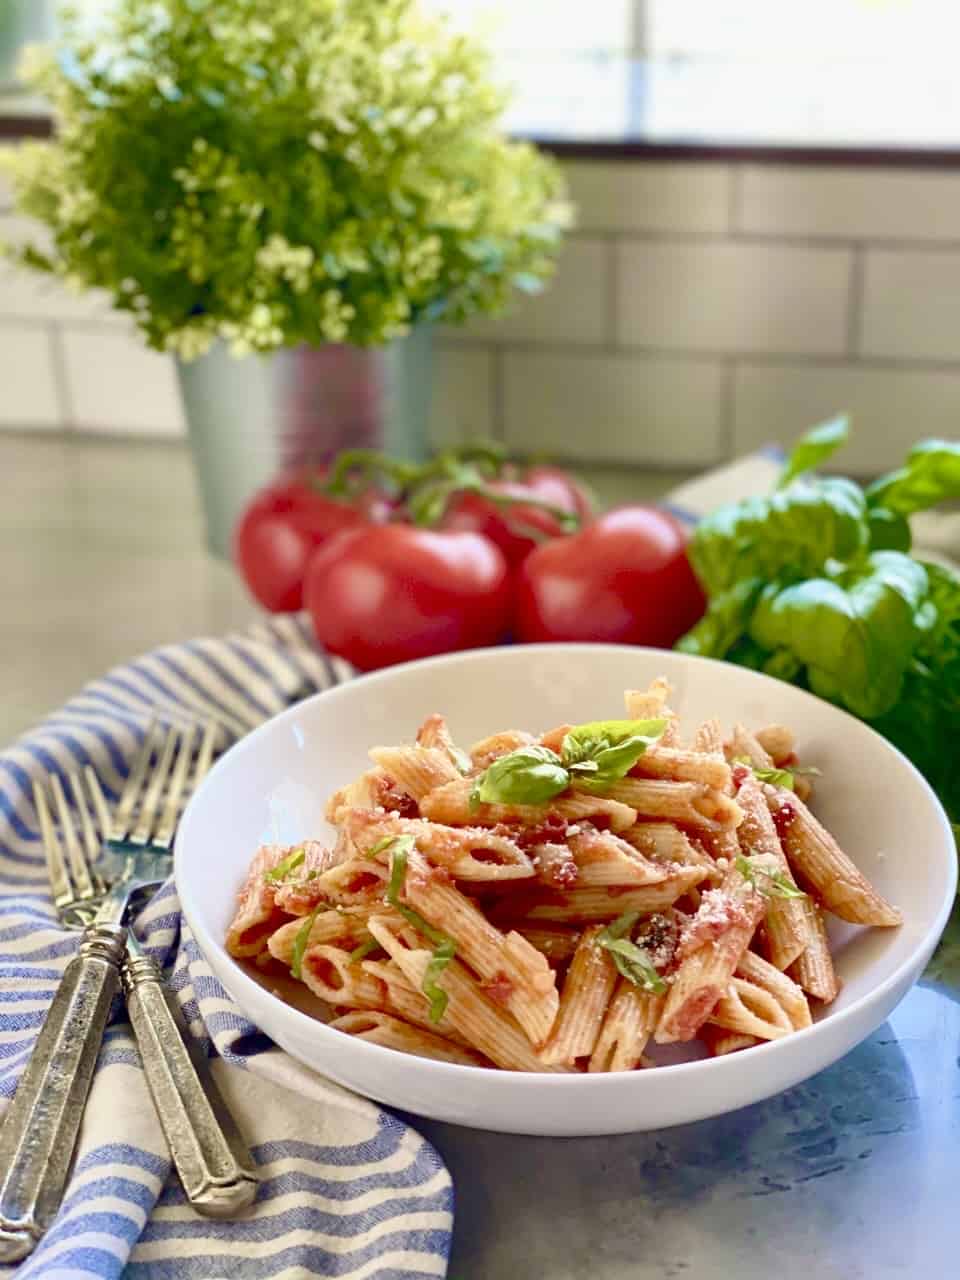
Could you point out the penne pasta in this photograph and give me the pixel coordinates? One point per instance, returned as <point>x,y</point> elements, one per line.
<point>813,970</point>
<point>627,1027</point>
<point>482,1022</point>
<point>416,770</point>
<point>814,855</point>
<point>691,803</point>
<point>607,892</point>
<point>586,993</point>
<point>750,1010</point>
<point>384,1029</point>
<point>717,937</point>
<point>515,974</point>
<point>788,923</point>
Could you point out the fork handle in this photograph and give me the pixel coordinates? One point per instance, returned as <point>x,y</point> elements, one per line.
<point>40,1130</point>
<point>210,1155</point>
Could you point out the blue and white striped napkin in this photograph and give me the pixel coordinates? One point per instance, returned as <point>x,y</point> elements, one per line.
<point>348,1190</point>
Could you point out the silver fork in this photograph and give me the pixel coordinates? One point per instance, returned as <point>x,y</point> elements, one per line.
<point>40,1130</point>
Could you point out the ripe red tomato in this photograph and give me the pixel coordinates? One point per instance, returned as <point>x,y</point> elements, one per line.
<point>624,579</point>
<point>389,593</point>
<point>519,527</point>
<point>280,529</point>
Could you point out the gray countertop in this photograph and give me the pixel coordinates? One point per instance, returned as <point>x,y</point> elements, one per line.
<point>850,1176</point>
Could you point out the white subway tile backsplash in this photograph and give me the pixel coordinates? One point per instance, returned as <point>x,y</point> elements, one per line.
<point>911,304</point>
<point>630,408</point>
<point>650,197</point>
<point>572,308</point>
<point>117,384</point>
<point>461,406</point>
<point>28,389</point>
<point>733,297</point>
<point>860,203</point>
<point>890,409</point>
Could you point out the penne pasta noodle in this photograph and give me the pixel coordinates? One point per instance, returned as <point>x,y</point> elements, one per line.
<point>416,770</point>
<point>744,745</point>
<point>554,864</point>
<point>257,915</point>
<point>334,977</point>
<point>691,803</point>
<point>384,1029</point>
<point>711,948</point>
<point>720,1041</point>
<point>682,765</point>
<point>666,843</point>
<point>784,990</point>
<point>586,993</point>
<point>450,805</point>
<point>778,741</point>
<point>484,752</point>
<point>627,1027</point>
<point>603,858</point>
<point>750,1010</point>
<point>327,927</point>
<point>815,856</point>
<point>403,1000</point>
<point>813,970</point>
<point>513,972</point>
<point>356,881</point>
<point>600,904</point>
<point>709,737</point>
<point>484,1025</point>
<point>788,923</point>
<point>555,941</point>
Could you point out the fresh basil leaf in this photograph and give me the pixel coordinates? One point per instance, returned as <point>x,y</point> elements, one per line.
<point>724,622</point>
<point>771,884</point>
<point>283,869</point>
<point>382,845</point>
<point>776,777</point>
<point>461,760</point>
<point>401,846</point>
<point>813,448</point>
<point>604,751</point>
<point>364,949</point>
<point>529,775</point>
<point>634,964</point>
<point>889,531</point>
<point>931,474</point>
<point>617,928</point>
<point>791,533</point>
<point>855,633</point>
<point>300,943</point>
<point>436,995</point>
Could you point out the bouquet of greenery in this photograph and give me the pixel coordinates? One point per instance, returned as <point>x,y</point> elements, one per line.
<point>283,172</point>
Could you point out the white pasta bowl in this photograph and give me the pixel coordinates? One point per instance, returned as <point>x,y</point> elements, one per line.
<point>272,787</point>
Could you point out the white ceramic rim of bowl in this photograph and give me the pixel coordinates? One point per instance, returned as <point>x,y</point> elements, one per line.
<point>580,1081</point>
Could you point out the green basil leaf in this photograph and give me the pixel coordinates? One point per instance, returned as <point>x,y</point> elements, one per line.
<point>283,869</point>
<point>529,775</point>
<point>889,531</point>
<point>855,632</point>
<point>634,964</point>
<point>401,846</point>
<point>617,928</point>
<point>364,949</point>
<point>791,533</point>
<point>776,777</point>
<point>300,943</point>
<point>727,618</point>
<point>438,998</point>
<point>606,750</point>
<point>813,448</point>
<point>771,884</point>
<point>931,474</point>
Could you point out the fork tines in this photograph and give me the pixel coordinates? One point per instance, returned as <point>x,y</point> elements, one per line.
<point>147,812</point>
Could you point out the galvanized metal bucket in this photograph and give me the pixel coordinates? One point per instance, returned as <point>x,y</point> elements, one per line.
<point>251,418</point>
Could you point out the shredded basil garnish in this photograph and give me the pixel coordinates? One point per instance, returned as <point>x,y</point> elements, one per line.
<point>444,947</point>
<point>632,962</point>
<point>364,949</point>
<point>283,868</point>
<point>774,883</point>
<point>300,943</point>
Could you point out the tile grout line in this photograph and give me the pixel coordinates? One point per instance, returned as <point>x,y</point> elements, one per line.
<point>498,427</point>
<point>734,198</point>
<point>612,317</point>
<point>728,406</point>
<point>61,380</point>
<point>855,302</point>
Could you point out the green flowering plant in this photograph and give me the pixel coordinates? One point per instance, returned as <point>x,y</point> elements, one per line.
<point>283,172</point>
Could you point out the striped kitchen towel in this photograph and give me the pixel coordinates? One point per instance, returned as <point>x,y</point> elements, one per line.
<point>348,1190</point>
